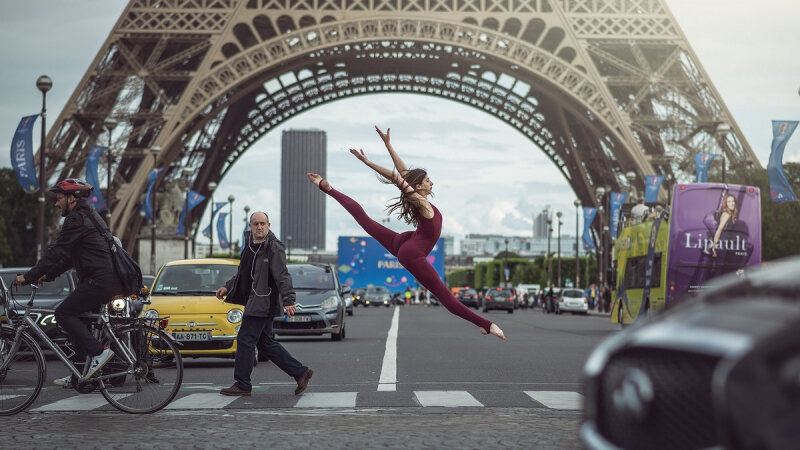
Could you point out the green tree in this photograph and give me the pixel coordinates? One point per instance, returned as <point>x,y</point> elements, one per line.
<point>19,220</point>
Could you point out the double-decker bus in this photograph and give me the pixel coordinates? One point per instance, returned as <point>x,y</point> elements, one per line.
<point>709,230</point>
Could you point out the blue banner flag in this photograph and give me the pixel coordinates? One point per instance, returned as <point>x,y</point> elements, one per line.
<point>147,206</point>
<point>651,187</point>
<point>588,217</point>
<point>223,236</point>
<point>617,199</point>
<point>701,163</point>
<point>779,188</point>
<point>217,207</point>
<point>194,199</point>
<point>95,200</point>
<point>22,155</point>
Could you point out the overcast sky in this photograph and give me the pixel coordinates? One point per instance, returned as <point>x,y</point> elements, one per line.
<point>498,180</point>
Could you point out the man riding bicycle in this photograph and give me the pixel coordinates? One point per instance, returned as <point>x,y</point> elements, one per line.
<point>82,246</point>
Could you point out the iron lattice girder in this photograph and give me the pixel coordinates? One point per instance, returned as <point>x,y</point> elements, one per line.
<point>178,73</point>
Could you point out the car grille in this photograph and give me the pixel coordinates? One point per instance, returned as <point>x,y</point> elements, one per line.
<point>680,415</point>
<point>298,325</point>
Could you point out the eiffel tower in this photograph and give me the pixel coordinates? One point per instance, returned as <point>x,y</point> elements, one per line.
<point>610,90</point>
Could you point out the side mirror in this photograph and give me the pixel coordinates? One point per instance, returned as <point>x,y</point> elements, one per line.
<point>346,290</point>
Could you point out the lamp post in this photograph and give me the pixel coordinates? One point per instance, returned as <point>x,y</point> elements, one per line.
<point>606,242</point>
<point>109,125</point>
<point>505,263</point>
<point>187,172</point>
<point>246,218</point>
<point>313,253</point>
<point>577,204</point>
<point>722,130</point>
<point>154,150</point>
<point>211,186</point>
<point>231,198</point>
<point>549,233</point>
<point>288,248</point>
<point>558,215</point>
<point>43,83</point>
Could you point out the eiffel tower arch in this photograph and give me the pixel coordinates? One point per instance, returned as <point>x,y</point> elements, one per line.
<point>610,90</point>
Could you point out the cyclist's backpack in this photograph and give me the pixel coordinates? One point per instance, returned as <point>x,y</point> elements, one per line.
<point>128,272</point>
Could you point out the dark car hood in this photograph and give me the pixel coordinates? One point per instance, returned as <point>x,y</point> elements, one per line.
<point>312,297</point>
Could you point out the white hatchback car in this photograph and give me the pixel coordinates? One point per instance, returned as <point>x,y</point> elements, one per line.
<point>573,301</point>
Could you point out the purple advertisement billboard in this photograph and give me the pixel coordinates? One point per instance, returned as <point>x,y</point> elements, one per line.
<point>362,262</point>
<point>714,229</point>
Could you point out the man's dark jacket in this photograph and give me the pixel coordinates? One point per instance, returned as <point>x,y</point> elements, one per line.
<point>79,245</point>
<point>269,275</point>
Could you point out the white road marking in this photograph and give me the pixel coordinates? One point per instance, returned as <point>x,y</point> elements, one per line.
<point>449,399</point>
<point>557,399</point>
<point>388,379</point>
<point>202,401</point>
<point>327,400</point>
<point>84,402</point>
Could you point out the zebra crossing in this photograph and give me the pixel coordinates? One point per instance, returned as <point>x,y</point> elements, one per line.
<point>282,398</point>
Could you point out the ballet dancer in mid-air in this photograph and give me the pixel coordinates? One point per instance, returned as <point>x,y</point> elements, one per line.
<point>411,247</point>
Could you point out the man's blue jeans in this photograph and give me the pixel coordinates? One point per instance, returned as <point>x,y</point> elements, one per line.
<point>257,331</point>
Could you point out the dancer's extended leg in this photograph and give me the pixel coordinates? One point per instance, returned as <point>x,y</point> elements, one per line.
<point>426,275</point>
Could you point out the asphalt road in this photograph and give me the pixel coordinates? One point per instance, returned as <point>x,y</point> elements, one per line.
<point>451,387</point>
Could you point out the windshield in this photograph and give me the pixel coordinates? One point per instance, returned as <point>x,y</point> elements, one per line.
<point>57,288</point>
<point>311,277</point>
<point>192,279</point>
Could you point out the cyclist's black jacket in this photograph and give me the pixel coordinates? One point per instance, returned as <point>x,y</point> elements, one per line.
<point>79,245</point>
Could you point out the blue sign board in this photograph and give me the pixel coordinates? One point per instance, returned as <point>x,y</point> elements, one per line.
<point>363,262</point>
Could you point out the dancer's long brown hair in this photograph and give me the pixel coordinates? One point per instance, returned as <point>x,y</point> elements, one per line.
<point>405,209</point>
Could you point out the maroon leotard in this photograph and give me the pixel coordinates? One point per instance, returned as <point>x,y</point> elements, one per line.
<point>411,248</point>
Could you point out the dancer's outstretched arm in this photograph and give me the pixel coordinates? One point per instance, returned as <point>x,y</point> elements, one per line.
<point>398,163</point>
<point>395,177</point>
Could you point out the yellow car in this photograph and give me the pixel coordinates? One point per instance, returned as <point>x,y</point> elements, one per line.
<point>184,292</point>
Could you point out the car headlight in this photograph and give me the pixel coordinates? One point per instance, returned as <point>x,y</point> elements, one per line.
<point>235,316</point>
<point>151,314</point>
<point>330,302</point>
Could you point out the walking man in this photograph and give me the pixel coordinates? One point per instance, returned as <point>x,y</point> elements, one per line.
<point>263,285</point>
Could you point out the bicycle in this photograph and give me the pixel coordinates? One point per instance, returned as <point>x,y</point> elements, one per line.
<point>143,376</point>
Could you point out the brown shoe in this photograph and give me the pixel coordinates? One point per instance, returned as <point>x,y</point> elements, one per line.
<point>302,382</point>
<point>235,391</point>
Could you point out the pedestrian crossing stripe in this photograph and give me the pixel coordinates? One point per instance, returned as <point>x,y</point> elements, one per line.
<point>562,400</point>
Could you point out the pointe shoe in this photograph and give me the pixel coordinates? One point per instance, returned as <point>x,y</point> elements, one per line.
<point>319,181</point>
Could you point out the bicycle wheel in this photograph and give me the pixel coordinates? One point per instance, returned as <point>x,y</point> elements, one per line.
<point>155,376</point>
<point>21,379</point>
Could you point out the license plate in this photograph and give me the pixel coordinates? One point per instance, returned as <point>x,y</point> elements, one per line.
<point>298,319</point>
<point>192,335</point>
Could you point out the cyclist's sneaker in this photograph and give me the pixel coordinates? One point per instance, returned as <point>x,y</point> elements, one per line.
<point>99,360</point>
<point>65,382</point>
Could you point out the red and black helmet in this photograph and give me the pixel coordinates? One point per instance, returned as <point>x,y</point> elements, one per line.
<point>72,186</point>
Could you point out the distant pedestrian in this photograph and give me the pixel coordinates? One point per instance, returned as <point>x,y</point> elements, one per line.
<point>264,286</point>
<point>408,296</point>
<point>606,299</point>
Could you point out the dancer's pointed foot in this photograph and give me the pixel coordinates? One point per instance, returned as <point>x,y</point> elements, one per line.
<point>319,181</point>
<point>495,330</point>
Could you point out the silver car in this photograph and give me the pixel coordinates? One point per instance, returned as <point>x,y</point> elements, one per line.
<point>573,301</point>
<point>320,303</point>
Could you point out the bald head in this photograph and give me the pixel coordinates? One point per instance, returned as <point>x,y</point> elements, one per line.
<point>259,226</point>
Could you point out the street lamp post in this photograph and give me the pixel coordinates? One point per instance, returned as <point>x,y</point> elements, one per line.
<point>577,204</point>
<point>606,242</point>
<point>288,248</point>
<point>154,150</point>
<point>558,215</point>
<point>211,186</point>
<point>246,219</point>
<point>600,193</point>
<point>231,198</point>
<point>722,130</point>
<point>187,172</point>
<point>549,233</point>
<point>109,125</point>
<point>43,83</point>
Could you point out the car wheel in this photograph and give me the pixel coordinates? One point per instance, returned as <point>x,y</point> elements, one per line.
<point>485,310</point>
<point>340,335</point>
<point>511,311</point>
<point>350,313</point>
